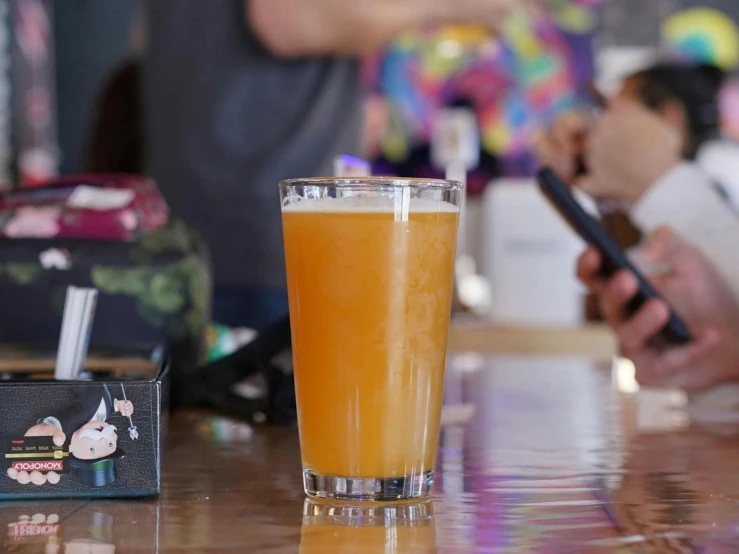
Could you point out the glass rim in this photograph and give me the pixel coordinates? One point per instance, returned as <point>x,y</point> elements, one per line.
<point>373,181</point>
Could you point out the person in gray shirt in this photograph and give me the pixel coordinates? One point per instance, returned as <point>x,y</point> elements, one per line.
<point>240,94</point>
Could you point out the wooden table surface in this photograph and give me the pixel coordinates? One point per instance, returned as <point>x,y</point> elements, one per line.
<point>537,455</point>
<point>595,342</point>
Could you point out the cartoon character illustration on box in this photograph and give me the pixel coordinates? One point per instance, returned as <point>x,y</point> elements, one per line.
<point>83,430</point>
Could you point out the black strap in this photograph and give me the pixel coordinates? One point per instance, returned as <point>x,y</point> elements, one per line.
<point>211,384</point>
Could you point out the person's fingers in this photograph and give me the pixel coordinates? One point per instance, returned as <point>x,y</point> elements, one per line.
<point>680,367</point>
<point>23,478</point>
<point>615,296</point>
<point>650,369</point>
<point>595,182</point>
<point>38,478</point>
<point>680,263</point>
<point>661,246</point>
<point>12,473</point>
<point>549,153</point>
<point>563,144</point>
<point>647,373</point>
<point>589,268</point>
<point>575,121</point>
<point>571,131</point>
<point>59,438</point>
<point>569,134</point>
<point>636,333</point>
<point>685,367</point>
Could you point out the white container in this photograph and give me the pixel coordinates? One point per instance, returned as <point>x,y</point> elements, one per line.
<point>529,256</point>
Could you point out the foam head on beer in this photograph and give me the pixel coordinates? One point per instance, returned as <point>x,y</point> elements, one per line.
<point>375,204</point>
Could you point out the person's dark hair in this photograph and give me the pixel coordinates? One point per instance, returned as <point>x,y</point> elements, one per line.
<point>116,142</point>
<point>696,87</point>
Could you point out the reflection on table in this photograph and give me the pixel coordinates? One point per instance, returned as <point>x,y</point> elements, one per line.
<point>79,527</point>
<point>353,529</point>
<point>537,454</point>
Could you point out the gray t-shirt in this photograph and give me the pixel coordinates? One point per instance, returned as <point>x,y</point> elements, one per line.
<point>226,121</point>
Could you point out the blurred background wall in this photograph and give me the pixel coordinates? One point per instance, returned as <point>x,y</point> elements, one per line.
<point>547,61</point>
<point>90,37</point>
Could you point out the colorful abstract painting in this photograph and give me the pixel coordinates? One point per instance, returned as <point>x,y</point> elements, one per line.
<point>516,83</point>
<point>703,34</point>
<point>708,35</point>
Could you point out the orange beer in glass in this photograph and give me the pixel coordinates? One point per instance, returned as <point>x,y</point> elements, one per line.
<point>370,265</point>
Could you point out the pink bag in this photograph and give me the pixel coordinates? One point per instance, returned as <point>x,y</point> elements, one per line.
<point>102,207</point>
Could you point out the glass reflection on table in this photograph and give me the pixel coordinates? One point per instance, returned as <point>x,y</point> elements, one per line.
<point>380,529</point>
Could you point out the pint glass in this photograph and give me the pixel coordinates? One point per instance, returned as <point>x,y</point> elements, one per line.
<point>370,267</point>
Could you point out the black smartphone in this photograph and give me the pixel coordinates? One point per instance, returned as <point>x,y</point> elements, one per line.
<point>614,258</point>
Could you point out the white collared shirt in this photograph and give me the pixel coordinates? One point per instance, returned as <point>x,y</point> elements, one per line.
<point>688,201</point>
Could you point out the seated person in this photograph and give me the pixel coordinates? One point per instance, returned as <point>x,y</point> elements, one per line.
<point>657,149</point>
<point>696,292</point>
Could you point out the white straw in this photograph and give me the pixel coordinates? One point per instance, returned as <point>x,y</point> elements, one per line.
<point>64,337</point>
<point>74,339</point>
<point>456,171</point>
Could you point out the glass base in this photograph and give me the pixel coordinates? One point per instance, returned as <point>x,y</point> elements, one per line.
<point>394,489</point>
<point>323,512</point>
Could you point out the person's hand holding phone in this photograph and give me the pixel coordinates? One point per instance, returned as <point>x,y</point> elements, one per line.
<point>628,150</point>
<point>701,298</point>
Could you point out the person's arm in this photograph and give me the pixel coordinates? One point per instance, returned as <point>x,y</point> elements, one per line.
<point>686,200</point>
<point>297,28</point>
